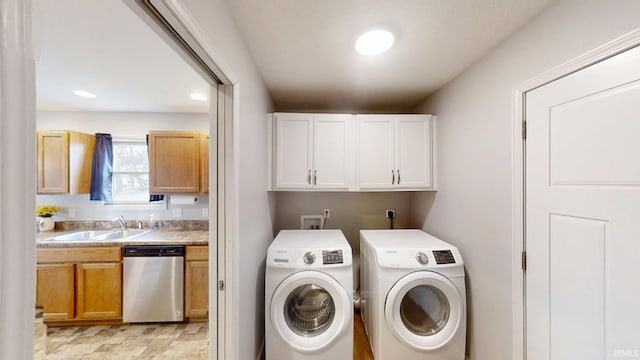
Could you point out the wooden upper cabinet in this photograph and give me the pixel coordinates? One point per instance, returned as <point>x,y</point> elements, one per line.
<point>175,162</point>
<point>64,162</point>
<point>204,163</point>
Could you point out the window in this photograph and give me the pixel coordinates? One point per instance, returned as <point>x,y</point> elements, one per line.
<point>130,183</point>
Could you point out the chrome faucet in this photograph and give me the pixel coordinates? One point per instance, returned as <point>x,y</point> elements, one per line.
<point>120,219</point>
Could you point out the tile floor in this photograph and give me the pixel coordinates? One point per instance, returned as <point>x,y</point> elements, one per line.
<point>149,342</point>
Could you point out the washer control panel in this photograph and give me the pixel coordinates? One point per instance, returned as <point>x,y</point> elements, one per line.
<point>330,257</point>
<point>444,257</point>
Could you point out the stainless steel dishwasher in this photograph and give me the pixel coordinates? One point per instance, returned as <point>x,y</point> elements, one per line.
<point>153,289</point>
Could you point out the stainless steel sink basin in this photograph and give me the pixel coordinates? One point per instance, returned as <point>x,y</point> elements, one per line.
<point>90,235</point>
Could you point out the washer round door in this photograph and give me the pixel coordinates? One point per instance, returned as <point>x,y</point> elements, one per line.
<point>424,310</point>
<point>309,310</point>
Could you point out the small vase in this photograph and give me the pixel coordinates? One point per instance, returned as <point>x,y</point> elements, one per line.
<point>46,223</point>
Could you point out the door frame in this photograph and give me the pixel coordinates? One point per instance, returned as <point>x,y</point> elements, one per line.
<point>519,93</point>
<point>224,92</point>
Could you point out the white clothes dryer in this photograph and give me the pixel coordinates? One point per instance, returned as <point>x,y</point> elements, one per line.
<point>413,297</point>
<point>309,296</point>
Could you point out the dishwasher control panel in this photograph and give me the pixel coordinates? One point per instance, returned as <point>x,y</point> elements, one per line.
<point>153,250</point>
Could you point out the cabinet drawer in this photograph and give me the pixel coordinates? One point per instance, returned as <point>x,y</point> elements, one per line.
<point>197,253</point>
<point>85,254</point>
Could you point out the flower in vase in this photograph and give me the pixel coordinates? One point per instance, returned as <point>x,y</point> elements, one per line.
<point>47,210</point>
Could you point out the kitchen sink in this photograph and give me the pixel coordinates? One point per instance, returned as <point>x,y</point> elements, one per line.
<point>90,235</point>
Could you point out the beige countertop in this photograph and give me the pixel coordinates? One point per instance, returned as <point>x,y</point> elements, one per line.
<point>154,237</point>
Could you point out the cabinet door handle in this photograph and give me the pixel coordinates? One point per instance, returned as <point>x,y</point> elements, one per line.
<point>315,177</point>
<point>309,177</point>
<point>398,176</point>
<point>393,177</point>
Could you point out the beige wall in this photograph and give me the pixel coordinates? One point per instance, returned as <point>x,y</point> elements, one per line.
<point>350,211</point>
<point>472,208</point>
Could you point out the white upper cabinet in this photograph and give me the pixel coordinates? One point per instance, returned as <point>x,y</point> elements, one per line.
<point>396,152</point>
<point>343,152</point>
<point>310,151</point>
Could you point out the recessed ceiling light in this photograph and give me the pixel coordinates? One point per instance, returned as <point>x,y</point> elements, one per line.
<point>84,94</point>
<point>374,42</point>
<point>198,96</point>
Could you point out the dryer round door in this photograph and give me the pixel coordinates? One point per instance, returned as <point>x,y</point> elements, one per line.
<point>309,310</point>
<point>424,310</point>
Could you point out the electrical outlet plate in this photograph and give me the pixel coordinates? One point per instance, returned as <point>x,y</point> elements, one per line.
<point>327,213</point>
<point>205,212</point>
<point>390,211</point>
<point>72,213</point>
<point>176,212</point>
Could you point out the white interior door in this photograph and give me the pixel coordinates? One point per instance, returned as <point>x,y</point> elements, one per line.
<point>583,214</point>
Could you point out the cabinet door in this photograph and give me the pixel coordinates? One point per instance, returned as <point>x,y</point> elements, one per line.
<point>55,291</point>
<point>197,289</point>
<point>174,162</point>
<point>413,149</point>
<point>80,162</point>
<point>293,158</point>
<point>99,290</point>
<point>376,158</point>
<point>53,162</point>
<point>330,139</point>
<point>204,163</point>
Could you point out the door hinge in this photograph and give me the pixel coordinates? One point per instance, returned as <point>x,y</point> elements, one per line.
<point>221,285</point>
<point>524,260</point>
<point>524,130</point>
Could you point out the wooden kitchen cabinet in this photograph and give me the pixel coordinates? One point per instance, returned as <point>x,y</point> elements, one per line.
<point>196,284</point>
<point>55,291</point>
<point>176,164</point>
<point>99,291</point>
<point>396,152</point>
<point>311,151</point>
<point>204,163</point>
<point>79,283</point>
<point>64,162</point>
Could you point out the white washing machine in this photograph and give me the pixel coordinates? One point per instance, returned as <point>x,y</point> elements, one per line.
<point>413,298</point>
<point>309,296</point>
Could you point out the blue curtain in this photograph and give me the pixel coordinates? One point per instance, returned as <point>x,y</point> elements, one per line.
<point>102,168</point>
<point>153,197</point>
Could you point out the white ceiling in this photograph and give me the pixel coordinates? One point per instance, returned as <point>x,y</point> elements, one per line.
<point>304,48</point>
<point>101,46</point>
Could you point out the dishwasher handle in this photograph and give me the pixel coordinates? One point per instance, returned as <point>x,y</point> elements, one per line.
<point>152,250</point>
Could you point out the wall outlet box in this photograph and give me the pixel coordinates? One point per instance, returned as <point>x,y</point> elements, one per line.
<point>390,213</point>
<point>176,212</point>
<point>327,213</point>
<point>71,212</point>
<point>205,212</point>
